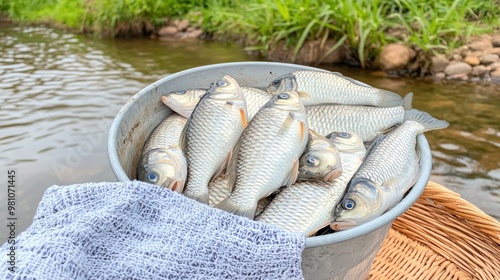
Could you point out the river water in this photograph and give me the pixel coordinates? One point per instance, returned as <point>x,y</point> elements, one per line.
<point>60,92</point>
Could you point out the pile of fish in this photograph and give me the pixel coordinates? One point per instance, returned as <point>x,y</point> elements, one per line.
<point>293,156</point>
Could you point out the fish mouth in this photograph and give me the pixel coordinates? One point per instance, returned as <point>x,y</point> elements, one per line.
<point>332,175</point>
<point>338,226</point>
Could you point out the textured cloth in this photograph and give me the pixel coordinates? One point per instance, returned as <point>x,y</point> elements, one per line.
<point>135,230</point>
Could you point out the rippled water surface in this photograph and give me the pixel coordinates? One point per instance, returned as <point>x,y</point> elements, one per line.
<point>60,92</point>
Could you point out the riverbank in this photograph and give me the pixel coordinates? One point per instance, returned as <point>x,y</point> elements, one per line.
<point>400,37</point>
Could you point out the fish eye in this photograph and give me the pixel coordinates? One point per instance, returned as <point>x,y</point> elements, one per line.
<point>312,161</point>
<point>283,96</point>
<point>344,135</point>
<point>348,204</point>
<point>180,92</point>
<point>276,83</point>
<point>152,177</point>
<point>221,84</point>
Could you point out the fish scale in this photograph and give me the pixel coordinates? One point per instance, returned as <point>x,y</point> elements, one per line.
<point>367,122</point>
<point>256,98</point>
<point>356,94</point>
<point>202,168</point>
<point>210,134</point>
<point>398,147</point>
<point>388,171</point>
<point>266,153</point>
<point>166,133</point>
<point>259,172</point>
<point>307,206</point>
<point>321,87</point>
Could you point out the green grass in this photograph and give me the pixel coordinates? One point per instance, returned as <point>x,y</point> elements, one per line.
<point>364,25</point>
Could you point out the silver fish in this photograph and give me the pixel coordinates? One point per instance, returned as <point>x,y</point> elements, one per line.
<point>348,142</point>
<point>320,159</point>
<point>162,161</point>
<point>256,98</point>
<point>389,170</point>
<point>184,101</point>
<point>319,87</point>
<point>210,135</point>
<point>218,191</point>
<point>267,154</point>
<point>367,122</point>
<point>306,207</point>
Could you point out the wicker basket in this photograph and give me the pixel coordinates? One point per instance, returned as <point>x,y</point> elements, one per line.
<point>442,236</point>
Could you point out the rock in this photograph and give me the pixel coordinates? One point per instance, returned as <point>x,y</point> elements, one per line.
<point>463,51</point>
<point>440,75</point>
<point>480,45</point>
<point>462,77</point>
<point>494,66</point>
<point>489,59</point>
<point>495,40</point>
<point>195,33</point>
<point>495,51</point>
<point>495,75</point>
<point>167,31</point>
<point>395,57</point>
<point>439,62</point>
<point>472,60</point>
<point>458,68</point>
<point>478,70</point>
<point>476,53</point>
<point>457,57</point>
<point>182,24</point>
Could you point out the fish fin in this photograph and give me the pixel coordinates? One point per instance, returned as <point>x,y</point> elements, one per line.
<point>286,124</point>
<point>374,144</point>
<point>229,205</point>
<point>292,175</point>
<point>223,166</point>
<point>407,100</point>
<point>389,98</point>
<point>314,135</point>
<point>242,111</point>
<point>425,119</point>
<point>302,132</point>
<point>231,166</point>
<point>387,130</point>
<point>183,137</point>
<point>244,117</point>
<point>303,94</point>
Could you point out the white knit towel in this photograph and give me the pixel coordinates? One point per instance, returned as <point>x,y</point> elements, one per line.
<point>134,230</point>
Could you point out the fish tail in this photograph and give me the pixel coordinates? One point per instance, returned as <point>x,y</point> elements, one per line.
<point>389,99</point>
<point>229,205</point>
<point>425,119</point>
<point>407,100</point>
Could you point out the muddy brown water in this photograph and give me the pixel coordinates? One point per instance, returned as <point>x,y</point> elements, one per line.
<point>60,92</point>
